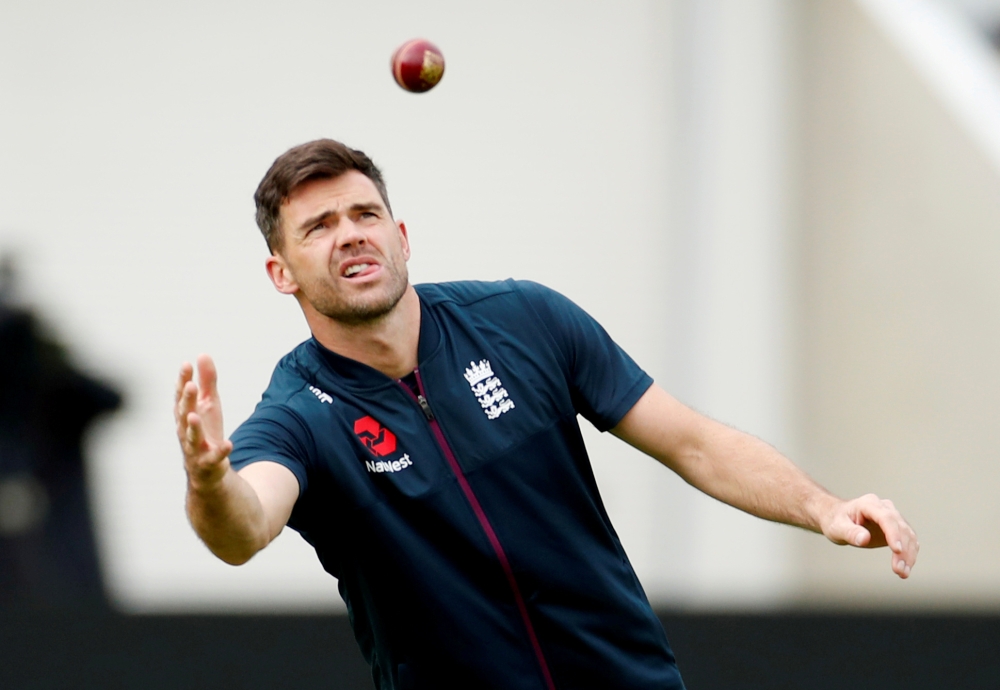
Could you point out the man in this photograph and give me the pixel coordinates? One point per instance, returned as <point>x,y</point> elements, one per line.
<point>425,442</point>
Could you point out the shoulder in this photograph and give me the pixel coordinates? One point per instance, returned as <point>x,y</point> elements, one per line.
<point>502,305</point>
<point>462,292</point>
<point>289,394</point>
<point>280,428</point>
<point>470,292</point>
<point>292,375</point>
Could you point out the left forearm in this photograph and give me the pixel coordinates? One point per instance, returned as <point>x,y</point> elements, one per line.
<point>727,464</point>
<point>751,475</point>
<point>747,473</point>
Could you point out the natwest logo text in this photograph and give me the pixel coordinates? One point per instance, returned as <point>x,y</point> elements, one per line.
<point>385,466</point>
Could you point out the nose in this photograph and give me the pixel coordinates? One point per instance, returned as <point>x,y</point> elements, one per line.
<point>351,234</point>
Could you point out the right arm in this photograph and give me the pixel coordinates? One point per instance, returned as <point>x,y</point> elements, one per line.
<point>236,514</point>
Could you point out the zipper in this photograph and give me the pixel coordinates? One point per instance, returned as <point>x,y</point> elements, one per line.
<point>483,522</point>
<point>422,401</point>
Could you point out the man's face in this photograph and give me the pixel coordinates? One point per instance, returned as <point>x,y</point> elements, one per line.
<point>342,252</point>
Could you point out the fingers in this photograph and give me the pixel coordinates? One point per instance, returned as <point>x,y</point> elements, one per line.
<point>206,462</point>
<point>183,377</point>
<point>202,396</point>
<point>904,548</point>
<point>207,376</point>
<point>199,444</point>
<point>192,401</point>
<point>186,392</point>
<point>198,415</point>
<point>186,402</point>
<point>884,525</point>
<point>194,435</point>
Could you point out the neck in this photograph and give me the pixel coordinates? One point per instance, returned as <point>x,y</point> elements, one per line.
<point>388,344</point>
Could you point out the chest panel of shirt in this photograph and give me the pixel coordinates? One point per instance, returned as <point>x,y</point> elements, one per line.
<point>381,498</point>
<point>493,382</point>
<point>490,384</point>
<point>373,448</point>
<point>376,446</point>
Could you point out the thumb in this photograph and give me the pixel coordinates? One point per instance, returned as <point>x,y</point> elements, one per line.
<point>859,536</point>
<point>843,530</point>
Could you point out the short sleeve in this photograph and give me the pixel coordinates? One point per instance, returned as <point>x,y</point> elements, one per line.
<point>276,434</point>
<point>604,381</point>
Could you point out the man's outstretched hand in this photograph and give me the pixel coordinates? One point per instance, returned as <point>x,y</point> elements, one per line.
<point>870,522</point>
<point>235,514</point>
<point>198,413</point>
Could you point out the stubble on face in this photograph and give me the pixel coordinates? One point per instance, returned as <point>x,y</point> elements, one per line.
<point>365,308</point>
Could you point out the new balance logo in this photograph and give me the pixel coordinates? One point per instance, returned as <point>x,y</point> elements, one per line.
<point>323,397</point>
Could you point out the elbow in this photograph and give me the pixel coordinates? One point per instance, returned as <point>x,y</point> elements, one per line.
<point>233,556</point>
<point>235,559</point>
<point>234,551</point>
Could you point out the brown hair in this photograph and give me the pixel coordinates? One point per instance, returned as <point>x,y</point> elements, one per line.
<point>323,158</point>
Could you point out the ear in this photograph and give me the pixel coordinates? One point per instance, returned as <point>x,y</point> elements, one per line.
<point>404,239</point>
<point>280,274</point>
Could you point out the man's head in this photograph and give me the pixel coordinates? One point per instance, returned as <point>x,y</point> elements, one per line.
<point>334,243</point>
<point>314,160</point>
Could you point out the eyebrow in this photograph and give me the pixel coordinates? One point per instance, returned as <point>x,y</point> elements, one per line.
<point>323,215</point>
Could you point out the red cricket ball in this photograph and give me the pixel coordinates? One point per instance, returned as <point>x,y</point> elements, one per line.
<point>417,65</point>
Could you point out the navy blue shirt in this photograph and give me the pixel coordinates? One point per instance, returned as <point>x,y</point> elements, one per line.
<point>462,519</point>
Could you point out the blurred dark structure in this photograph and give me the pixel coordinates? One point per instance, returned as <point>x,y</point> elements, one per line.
<point>789,651</point>
<point>48,557</point>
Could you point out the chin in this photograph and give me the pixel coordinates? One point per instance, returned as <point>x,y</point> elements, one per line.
<point>358,311</point>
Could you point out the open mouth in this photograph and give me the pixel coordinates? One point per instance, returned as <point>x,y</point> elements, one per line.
<point>355,270</point>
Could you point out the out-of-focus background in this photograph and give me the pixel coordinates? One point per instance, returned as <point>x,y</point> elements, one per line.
<point>787,212</point>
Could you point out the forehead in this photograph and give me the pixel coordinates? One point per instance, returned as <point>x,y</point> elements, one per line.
<point>328,194</point>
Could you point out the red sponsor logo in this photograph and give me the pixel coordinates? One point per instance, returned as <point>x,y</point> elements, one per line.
<point>379,440</point>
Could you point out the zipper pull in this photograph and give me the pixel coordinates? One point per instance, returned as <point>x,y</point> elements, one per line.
<point>425,407</point>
